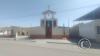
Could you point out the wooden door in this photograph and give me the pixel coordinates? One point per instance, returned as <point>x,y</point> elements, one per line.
<point>48,29</point>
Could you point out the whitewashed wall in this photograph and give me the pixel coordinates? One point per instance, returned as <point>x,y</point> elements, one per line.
<point>59,31</point>
<point>5,32</point>
<point>89,30</point>
<point>37,31</point>
<point>97,23</point>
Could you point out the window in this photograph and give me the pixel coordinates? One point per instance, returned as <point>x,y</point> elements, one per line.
<point>49,23</point>
<point>23,33</point>
<point>54,23</point>
<point>98,29</point>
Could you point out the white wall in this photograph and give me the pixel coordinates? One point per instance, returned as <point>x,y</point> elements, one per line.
<point>97,23</point>
<point>21,37</point>
<point>37,31</point>
<point>5,32</point>
<point>89,30</point>
<point>41,31</point>
<point>1,33</point>
<point>59,31</point>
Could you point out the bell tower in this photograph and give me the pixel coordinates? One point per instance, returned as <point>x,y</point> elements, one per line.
<point>49,22</point>
<point>49,15</point>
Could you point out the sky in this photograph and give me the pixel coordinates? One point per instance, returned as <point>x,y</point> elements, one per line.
<point>28,13</point>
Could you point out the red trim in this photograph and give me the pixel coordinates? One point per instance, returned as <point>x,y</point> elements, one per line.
<point>44,37</point>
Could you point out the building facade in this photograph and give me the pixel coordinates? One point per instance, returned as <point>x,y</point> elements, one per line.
<point>91,29</point>
<point>48,29</point>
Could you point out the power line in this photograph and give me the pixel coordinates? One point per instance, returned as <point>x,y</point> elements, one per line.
<point>66,10</point>
<point>73,9</point>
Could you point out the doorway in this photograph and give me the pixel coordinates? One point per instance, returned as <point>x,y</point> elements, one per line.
<point>49,29</point>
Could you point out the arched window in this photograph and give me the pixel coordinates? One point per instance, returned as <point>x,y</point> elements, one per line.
<point>22,33</point>
<point>18,33</point>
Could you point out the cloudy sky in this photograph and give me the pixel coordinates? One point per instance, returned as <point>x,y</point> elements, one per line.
<point>29,12</point>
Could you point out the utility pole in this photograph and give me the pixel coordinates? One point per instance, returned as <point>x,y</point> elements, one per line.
<point>64,30</point>
<point>68,28</point>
